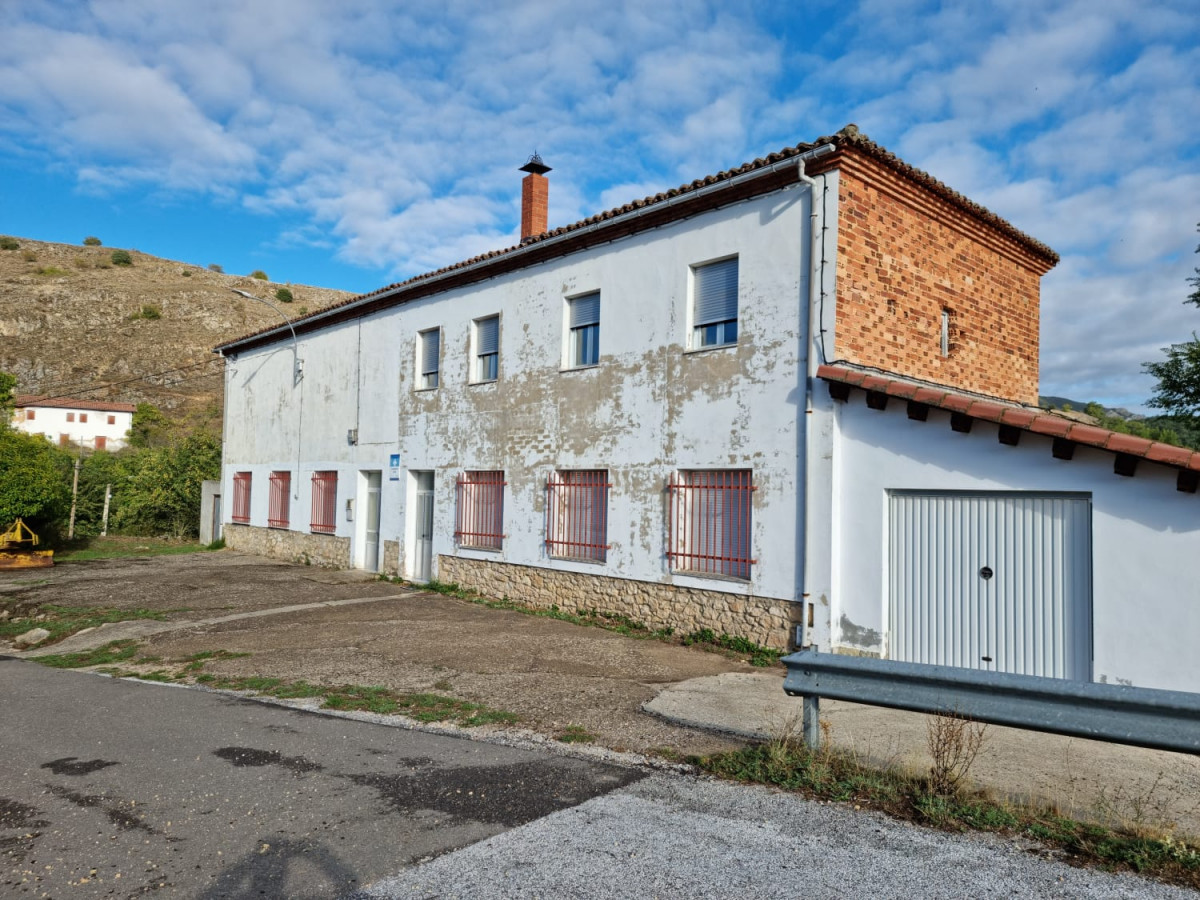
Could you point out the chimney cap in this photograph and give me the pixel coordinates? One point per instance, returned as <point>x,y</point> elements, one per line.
<point>535,166</point>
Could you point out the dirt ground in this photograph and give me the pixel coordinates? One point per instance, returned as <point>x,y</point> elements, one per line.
<point>550,673</point>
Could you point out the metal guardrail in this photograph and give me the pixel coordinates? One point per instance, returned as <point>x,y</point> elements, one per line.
<point>1141,717</point>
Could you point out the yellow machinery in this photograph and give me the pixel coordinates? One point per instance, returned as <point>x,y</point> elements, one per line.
<point>16,549</point>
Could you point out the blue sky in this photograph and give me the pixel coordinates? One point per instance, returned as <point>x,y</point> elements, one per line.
<point>351,144</point>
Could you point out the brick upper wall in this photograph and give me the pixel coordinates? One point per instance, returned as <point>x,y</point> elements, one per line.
<point>905,255</point>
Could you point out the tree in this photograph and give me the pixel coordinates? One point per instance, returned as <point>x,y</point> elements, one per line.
<point>91,241</point>
<point>150,428</point>
<point>1178,389</point>
<point>162,495</point>
<point>35,481</point>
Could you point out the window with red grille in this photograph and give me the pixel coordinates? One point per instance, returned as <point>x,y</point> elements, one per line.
<point>70,417</point>
<point>83,417</point>
<point>324,502</point>
<point>112,420</point>
<point>577,515</point>
<point>479,516</point>
<point>281,487</point>
<point>710,522</point>
<point>30,415</point>
<point>101,442</point>
<point>241,497</point>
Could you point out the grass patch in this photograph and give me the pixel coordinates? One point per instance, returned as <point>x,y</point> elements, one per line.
<point>122,546</point>
<point>51,271</point>
<point>757,654</point>
<point>575,734</point>
<point>423,707</point>
<point>112,652</point>
<point>64,621</point>
<point>834,775</point>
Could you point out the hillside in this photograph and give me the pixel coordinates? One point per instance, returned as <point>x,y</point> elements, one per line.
<point>71,320</point>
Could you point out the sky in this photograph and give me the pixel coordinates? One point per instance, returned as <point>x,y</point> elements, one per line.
<point>354,143</point>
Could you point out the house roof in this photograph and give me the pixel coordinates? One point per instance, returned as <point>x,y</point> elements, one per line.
<point>762,175</point>
<point>71,403</point>
<point>1066,432</point>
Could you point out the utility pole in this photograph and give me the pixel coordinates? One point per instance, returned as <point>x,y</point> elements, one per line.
<point>107,497</point>
<point>74,496</point>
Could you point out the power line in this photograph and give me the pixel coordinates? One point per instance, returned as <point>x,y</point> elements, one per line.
<point>63,395</point>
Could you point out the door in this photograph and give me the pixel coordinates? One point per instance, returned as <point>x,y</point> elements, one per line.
<point>423,547</point>
<point>995,581</point>
<point>371,533</point>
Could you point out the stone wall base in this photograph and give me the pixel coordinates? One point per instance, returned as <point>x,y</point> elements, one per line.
<point>391,558</point>
<point>325,550</point>
<point>764,620</point>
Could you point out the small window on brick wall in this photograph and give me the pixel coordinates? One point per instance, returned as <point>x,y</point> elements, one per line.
<point>577,515</point>
<point>947,331</point>
<point>324,502</point>
<point>479,513</point>
<point>281,487</point>
<point>710,523</point>
<point>241,497</point>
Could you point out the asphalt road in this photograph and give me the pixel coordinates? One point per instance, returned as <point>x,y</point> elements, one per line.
<point>112,788</point>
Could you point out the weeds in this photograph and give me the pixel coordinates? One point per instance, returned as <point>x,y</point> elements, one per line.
<point>113,651</point>
<point>758,655</point>
<point>50,271</point>
<point>954,742</point>
<point>575,734</point>
<point>835,775</point>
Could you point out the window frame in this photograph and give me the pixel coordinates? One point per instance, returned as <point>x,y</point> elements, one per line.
<point>479,509</point>
<point>711,523</point>
<point>577,515</point>
<point>70,417</point>
<point>83,418</point>
<point>242,485</point>
<point>429,379</point>
<point>324,502</point>
<point>30,415</point>
<point>280,507</point>
<point>582,336</point>
<point>709,330</point>
<point>485,367</point>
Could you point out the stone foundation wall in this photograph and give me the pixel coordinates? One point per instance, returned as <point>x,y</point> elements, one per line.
<point>764,620</point>
<point>391,558</point>
<point>295,546</point>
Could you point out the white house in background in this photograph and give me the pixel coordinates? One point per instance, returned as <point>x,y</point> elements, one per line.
<point>94,424</point>
<point>657,412</point>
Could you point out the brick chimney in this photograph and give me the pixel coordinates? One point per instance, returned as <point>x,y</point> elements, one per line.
<point>535,198</point>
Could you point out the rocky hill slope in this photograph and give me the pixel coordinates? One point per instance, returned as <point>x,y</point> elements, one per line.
<point>74,323</point>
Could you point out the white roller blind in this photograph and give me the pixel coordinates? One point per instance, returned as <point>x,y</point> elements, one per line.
<point>716,292</point>
<point>487,336</point>
<point>585,310</point>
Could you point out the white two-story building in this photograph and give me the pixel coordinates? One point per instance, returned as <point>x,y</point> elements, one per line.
<point>94,424</point>
<point>794,401</point>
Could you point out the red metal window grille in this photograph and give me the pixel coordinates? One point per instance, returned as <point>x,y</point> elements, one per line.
<point>324,502</point>
<point>577,515</point>
<point>241,497</point>
<point>112,420</point>
<point>83,417</point>
<point>30,415</point>
<point>281,488</point>
<point>70,417</point>
<point>710,522</point>
<point>479,517</point>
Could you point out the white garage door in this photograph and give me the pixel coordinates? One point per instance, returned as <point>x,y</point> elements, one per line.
<point>995,581</point>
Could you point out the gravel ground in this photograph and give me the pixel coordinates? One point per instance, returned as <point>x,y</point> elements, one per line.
<point>686,837</point>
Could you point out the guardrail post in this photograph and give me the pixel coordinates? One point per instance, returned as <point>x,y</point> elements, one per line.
<point>812,722</point>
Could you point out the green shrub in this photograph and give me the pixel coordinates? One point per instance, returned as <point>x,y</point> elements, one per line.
<point>121,258</point>
<point>7,243</point>
<point>283,295</point>
<point>90,241</point>
<point>214,267</point>
<point>186,273</point>
<point>260,275</point>
<point>149,311</point>
<point>51,271</point>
